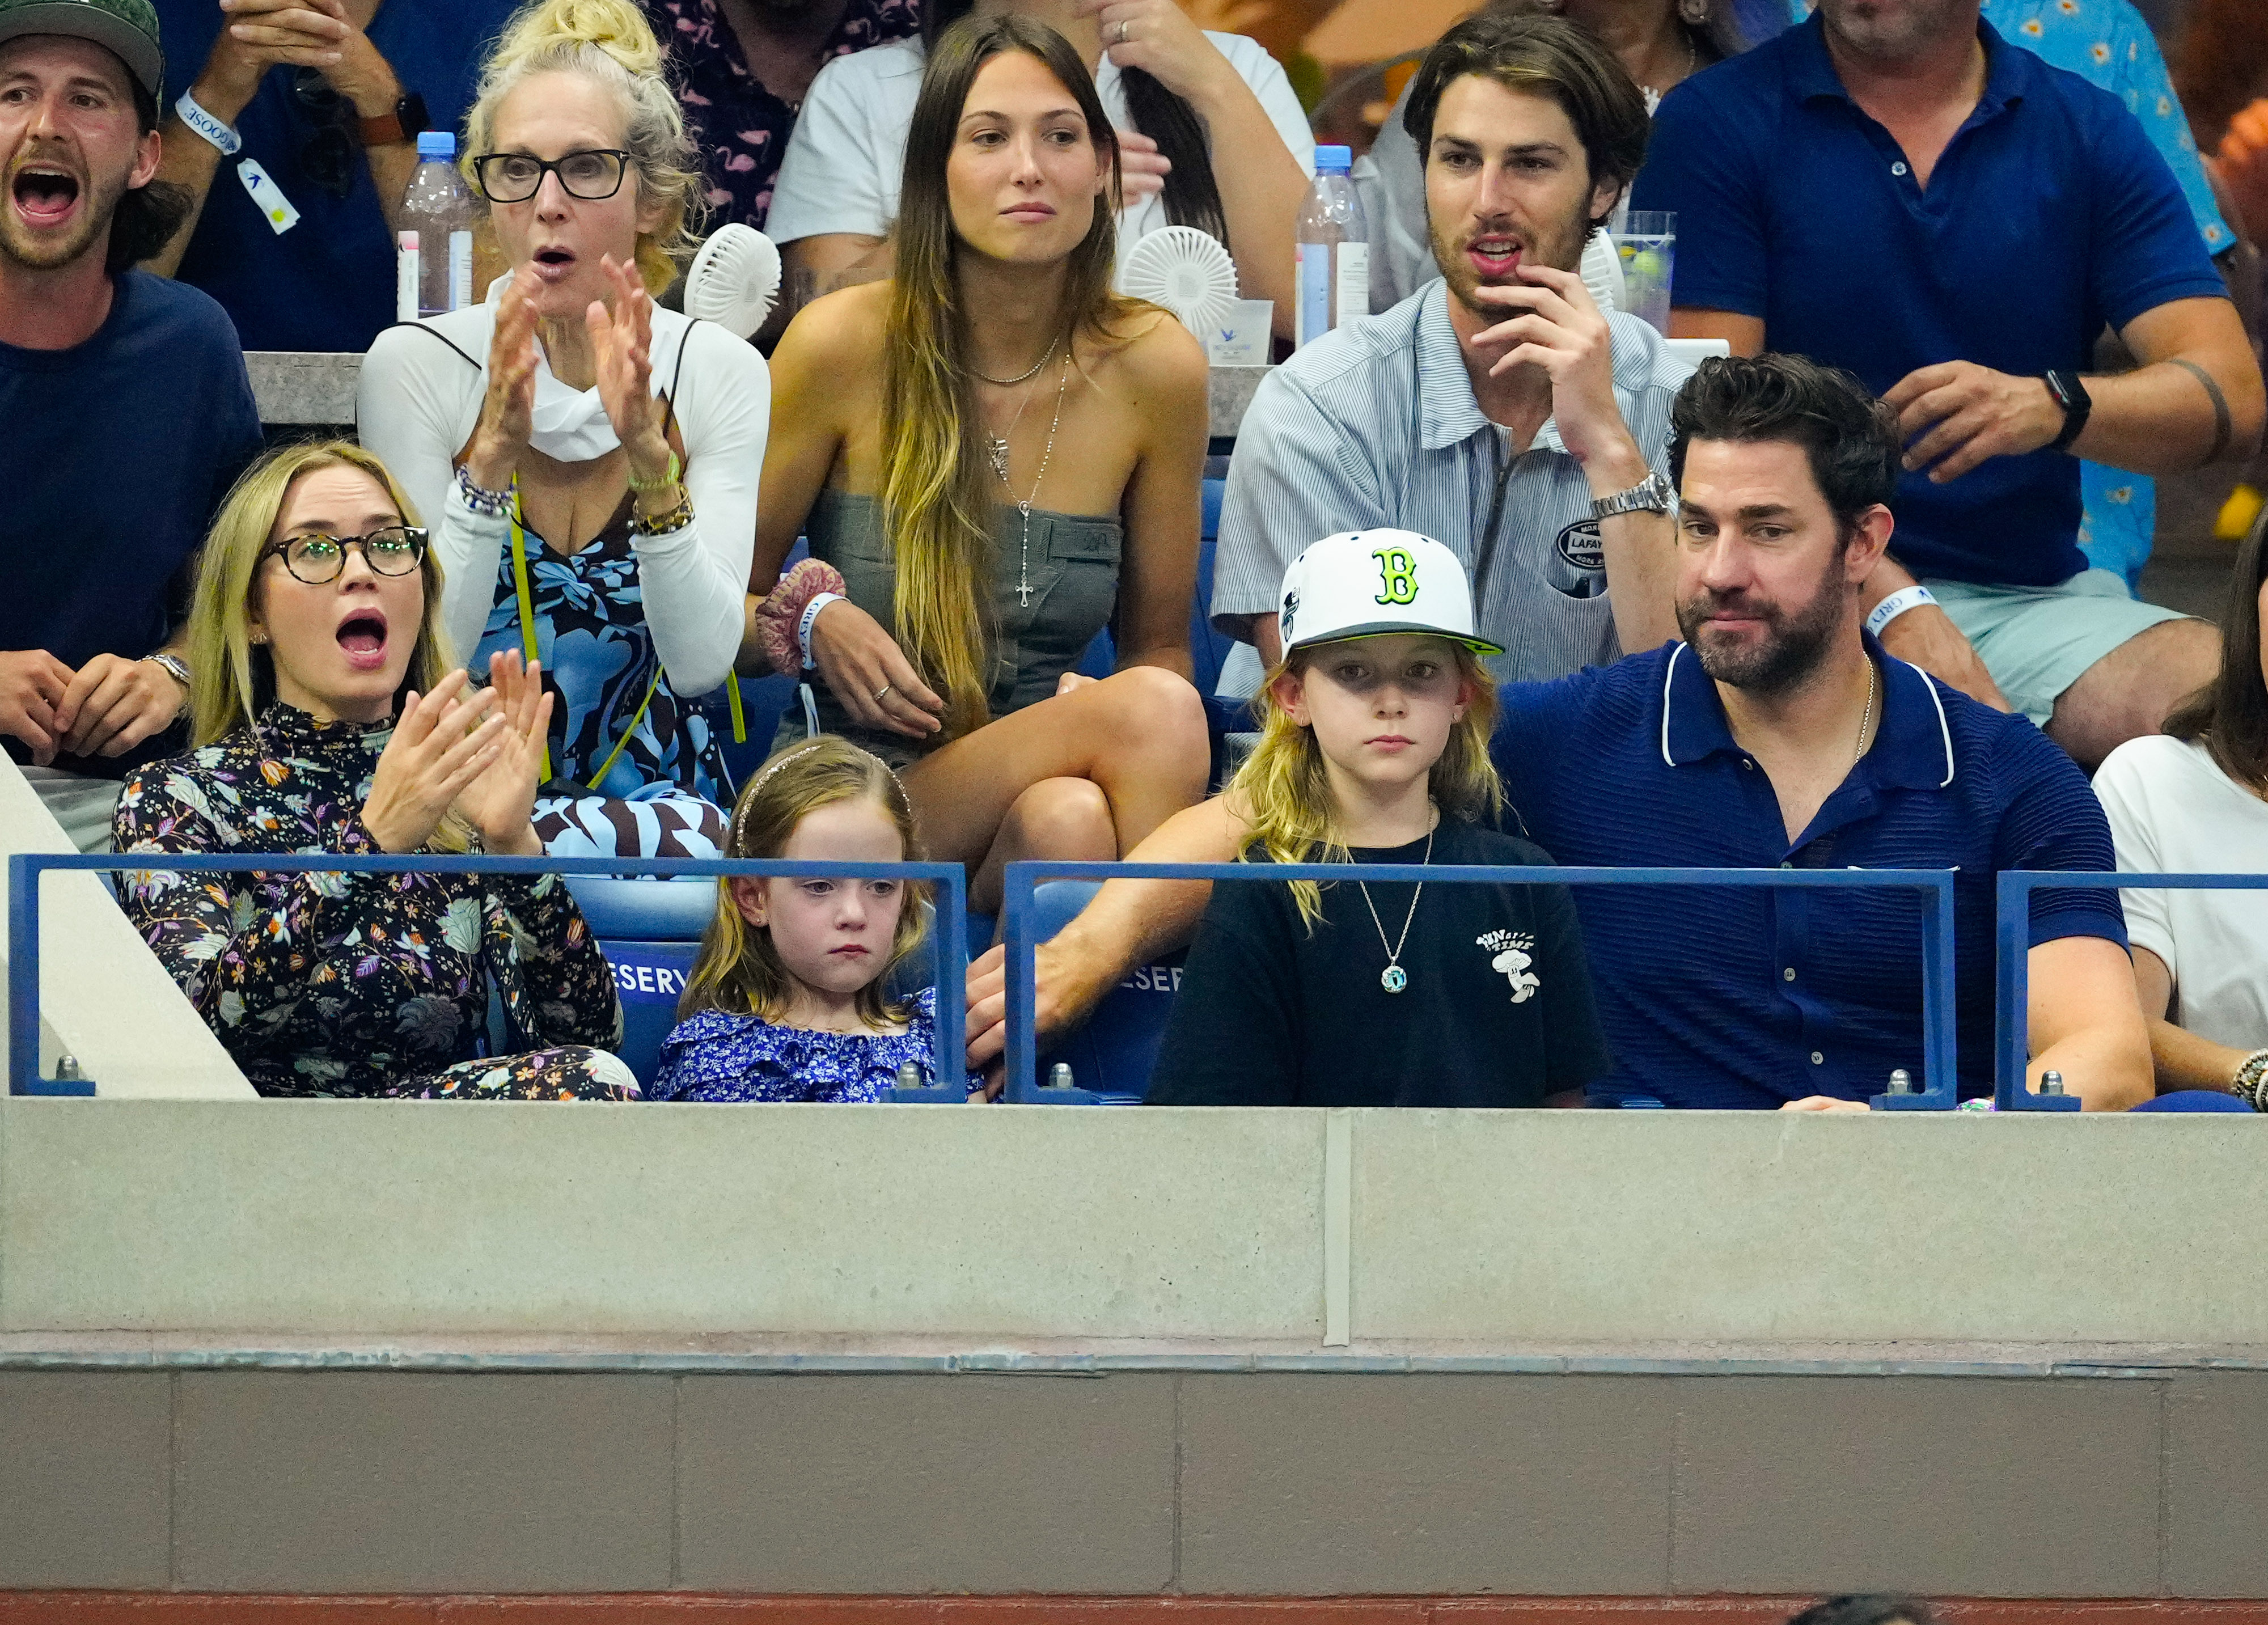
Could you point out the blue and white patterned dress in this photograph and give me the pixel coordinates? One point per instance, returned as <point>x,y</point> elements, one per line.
<point>711,1055</point>
<point>663,794</point>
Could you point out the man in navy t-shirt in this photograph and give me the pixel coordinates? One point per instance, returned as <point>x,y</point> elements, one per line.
<point>325,99</point>
<point>1894,189</point>
<point>127,408</point>
<point>1776,734</point>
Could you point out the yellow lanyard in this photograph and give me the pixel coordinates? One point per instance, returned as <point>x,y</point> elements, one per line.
<point>526,598</point>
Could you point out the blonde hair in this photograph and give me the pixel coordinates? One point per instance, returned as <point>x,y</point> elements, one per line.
<point>738,971</point>
<point>936,487</point>
<point>1283,793</point>
<point>608,41</point>
<point>232,680</point>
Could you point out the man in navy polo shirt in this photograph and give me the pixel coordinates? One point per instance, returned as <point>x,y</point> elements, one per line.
<point>324,99</point>
<point>1893,189</point>
<point>1778,733</point>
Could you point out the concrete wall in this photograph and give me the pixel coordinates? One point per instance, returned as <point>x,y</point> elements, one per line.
<point>1132,1484</point>
<point>104,998</point>
<point>1282,1230</point>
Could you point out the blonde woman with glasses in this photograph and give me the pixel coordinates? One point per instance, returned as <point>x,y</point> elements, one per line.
<point>327,718</point>
<point>590,460</point>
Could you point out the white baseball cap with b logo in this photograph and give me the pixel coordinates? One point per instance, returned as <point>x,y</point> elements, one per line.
<point>1367,583</point>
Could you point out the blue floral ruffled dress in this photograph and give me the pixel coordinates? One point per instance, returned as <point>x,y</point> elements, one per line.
<point>712,1056</point>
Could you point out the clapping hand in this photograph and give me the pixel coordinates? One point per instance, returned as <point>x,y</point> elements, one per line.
<point>498,801</point>
<point>508,411</point>
<point>445,740</point>
<point>621,340</point>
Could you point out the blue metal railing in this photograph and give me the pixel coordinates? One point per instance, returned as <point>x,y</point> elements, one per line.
<point>25,868</point>
<point>1941,1080</point>
<point>2011,946</point>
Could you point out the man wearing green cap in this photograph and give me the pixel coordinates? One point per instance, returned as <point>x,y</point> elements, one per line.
<point>126,403</point>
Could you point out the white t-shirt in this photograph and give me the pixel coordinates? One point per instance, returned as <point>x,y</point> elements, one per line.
<point>848,152</point>
<point>419,400</point>
<point>2173,810</point>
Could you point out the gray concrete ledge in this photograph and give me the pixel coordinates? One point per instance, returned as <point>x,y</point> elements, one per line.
<point>314,389</point>
<point>783,1355</point>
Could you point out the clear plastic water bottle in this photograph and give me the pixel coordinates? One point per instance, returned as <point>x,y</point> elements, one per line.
<point>1334,248</point>
<point>439,206</point>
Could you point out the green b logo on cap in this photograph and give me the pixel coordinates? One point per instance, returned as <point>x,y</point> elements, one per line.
<point>1397,574</point>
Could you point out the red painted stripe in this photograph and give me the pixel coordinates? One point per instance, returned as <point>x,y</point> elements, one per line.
<point>184,1608</point>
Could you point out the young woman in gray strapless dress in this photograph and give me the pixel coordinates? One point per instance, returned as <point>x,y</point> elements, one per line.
<point>1001,457</point>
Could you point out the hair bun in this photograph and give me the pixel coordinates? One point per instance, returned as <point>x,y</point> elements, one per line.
<point>616,27</point>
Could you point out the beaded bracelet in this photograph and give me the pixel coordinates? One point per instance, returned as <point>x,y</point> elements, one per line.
<point>662,524</point>
<point>486,504</point>
<point>2251,1081</point>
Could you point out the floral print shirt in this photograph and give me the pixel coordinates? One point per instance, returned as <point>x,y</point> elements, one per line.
<point>342,984</point>
<point>713,1055</point>
<point>742,127</point>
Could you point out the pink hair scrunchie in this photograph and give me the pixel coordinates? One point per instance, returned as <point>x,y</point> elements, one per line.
<point>778,616</point>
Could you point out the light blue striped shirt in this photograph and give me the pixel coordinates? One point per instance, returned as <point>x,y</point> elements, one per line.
<point>1376,424</point>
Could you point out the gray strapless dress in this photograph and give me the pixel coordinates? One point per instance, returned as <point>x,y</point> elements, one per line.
<point>1074,580</point>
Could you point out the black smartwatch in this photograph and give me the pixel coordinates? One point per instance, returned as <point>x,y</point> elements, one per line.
<point>2071,396</point>
<point>404,124</point>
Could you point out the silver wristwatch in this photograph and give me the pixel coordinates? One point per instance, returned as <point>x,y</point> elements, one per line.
<point>1651,495</point>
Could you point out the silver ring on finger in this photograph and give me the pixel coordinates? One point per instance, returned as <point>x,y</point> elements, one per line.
<point>879,692</point>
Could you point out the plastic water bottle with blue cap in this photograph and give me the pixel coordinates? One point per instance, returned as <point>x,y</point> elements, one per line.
<point>439,206</point>
<point>1334,249</point>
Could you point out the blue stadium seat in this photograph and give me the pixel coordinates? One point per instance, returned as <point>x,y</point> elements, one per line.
<point>1111,1056</point>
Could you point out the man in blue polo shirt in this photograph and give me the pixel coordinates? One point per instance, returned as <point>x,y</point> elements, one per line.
<point>1778,733</point>
<point>322,101</point>
<point>1894,190</point>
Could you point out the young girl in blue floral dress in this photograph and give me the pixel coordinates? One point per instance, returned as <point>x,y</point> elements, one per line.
<point>786,1001</point>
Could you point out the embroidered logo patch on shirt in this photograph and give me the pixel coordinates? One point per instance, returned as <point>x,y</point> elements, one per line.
<point>1512,957</point>
<point>1580,547</point>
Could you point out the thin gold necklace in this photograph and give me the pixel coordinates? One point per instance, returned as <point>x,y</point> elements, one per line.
<point>1864,716</point>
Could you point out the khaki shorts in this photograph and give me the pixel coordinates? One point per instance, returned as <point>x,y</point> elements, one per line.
<point>2036,641</point>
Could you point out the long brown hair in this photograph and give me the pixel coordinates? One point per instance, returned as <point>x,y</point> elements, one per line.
<point>2229,715</point>
<point>738,971</point>
<point>1284,794</point>
<point>936,495</point>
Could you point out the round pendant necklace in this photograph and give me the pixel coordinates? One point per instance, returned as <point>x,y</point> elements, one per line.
<point>998,448</point>
<point>1393,978</point>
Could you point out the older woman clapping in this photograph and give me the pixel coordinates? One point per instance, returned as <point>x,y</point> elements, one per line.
<point>588,461</point>
<point>328,719</point>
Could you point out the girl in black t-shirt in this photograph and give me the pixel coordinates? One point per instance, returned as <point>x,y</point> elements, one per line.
<point>1375,750</point>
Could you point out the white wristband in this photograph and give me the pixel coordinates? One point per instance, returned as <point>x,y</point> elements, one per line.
<point>212,128</point>
<point>819,602</point>
<point>1898,602</point>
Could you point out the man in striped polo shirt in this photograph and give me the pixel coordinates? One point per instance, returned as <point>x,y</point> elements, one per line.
<point>1499,410</point>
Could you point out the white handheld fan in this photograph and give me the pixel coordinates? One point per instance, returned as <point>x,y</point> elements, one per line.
<point>1185,270</point>
<point>733,280</point>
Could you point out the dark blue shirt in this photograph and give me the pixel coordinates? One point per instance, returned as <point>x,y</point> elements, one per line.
<point>1748,998</point>
<point>118,450</point>
<point>2049,214</point>
<point>327,283</point>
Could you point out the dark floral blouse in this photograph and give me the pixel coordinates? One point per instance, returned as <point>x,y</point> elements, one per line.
<point>742,127</point>
<point>342,984</point>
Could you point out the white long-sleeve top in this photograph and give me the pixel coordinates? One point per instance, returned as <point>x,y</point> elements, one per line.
<point>419,400</point>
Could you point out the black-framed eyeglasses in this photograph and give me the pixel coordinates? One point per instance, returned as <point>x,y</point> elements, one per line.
<point>591,174</point>
<point>317,560</point>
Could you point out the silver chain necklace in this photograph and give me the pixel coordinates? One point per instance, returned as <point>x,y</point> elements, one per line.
<point>1011,383</point>
<point>1393,978</point>
<point>998,448</point>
